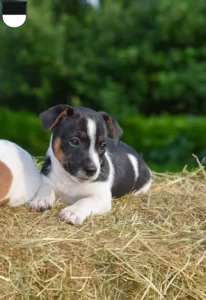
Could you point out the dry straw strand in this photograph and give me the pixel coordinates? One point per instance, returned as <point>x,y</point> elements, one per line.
<point>149,247</point>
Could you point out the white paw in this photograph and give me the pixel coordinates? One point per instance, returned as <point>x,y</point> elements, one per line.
<point>42,204</point>
<point>72,215</point>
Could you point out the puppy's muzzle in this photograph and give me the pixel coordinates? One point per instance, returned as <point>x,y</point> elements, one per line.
<point>90,170</point>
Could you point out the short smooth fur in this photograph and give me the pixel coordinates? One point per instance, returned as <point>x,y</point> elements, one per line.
<point>86,165</point>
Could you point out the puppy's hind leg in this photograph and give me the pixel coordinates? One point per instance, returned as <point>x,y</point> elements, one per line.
<point>144,189</point>
<point>44,199</point>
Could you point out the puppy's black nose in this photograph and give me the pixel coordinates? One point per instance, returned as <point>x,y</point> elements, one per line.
<point>90,170</point>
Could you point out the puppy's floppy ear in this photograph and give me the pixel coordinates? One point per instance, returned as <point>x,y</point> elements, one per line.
<point>49,118</point>
<point>113,128</point>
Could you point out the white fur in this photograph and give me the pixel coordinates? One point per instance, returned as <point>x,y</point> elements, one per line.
<point>45,197</point>
<point>144,189</point>
<point>91,132</point>
<point>98,201</point>
<point>26,177</point>
<point>85,198</point>
<point>134,163</point>
<point>111,170</point>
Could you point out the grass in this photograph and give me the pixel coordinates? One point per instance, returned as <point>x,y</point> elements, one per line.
<point>148,247</point>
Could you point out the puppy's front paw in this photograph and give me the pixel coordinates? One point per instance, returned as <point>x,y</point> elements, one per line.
<point>72,215</point>
<point>42,204</point>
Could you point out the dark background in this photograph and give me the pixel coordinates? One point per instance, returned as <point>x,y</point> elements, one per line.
<point>144,61</point>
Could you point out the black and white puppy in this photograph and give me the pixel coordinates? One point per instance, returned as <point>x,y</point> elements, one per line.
<point>83,167</point>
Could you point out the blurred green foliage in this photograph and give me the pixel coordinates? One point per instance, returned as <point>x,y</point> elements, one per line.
<point>24,129</point>
<point>145,56</point>
<point>165,143</point>
<point>129,58</point>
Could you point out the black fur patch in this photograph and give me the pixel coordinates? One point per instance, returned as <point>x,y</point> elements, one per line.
<point>77,159</point>
<point>46,168</point>
<point>104,171</point>
<point>124,178</point>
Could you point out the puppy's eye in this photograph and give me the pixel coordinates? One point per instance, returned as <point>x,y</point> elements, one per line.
<point>74,141</point>
<point>103,146</point>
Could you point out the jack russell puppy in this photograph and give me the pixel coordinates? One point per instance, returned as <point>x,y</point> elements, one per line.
<point>86,165</point>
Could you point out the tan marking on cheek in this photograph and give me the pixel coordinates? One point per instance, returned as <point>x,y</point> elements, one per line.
<point>83,135</point>
<point>6,179</point>
<point>4,202</point>
<point>57,149</point>
<point>100,139</point>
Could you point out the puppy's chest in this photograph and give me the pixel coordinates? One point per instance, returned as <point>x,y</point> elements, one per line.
<point>68,191</point>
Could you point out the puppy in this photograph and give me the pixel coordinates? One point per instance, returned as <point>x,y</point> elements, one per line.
<point>84,167</point>
<point>19,176</point>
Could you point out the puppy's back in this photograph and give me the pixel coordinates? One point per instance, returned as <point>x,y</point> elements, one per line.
<point>131,171</point>
<point>19,176</point>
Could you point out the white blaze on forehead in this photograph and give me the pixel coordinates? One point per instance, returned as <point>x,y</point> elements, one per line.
<point>91,132</point>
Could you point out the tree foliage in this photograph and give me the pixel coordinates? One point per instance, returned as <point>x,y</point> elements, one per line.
<point>145,56</point>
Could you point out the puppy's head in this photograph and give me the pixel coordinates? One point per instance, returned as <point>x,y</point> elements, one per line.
<point>79,139</point>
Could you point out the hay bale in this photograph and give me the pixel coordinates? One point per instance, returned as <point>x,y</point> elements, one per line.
<point>148,247</point>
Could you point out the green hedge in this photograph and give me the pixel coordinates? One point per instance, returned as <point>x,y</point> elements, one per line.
<point>127,57</point>
<point>166,142</point>
<point>24,129</point>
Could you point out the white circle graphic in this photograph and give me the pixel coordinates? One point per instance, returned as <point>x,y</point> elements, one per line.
<point>14,20</point>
